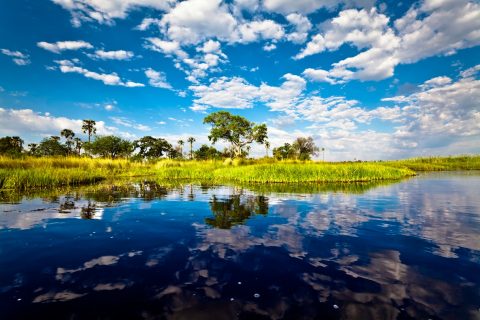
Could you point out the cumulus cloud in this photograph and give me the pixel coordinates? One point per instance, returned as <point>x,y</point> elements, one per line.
<point>301,26</point>
<point>60,46</point>
<point>19,58</point>
<point>309,6</point>
<point>112,55</point>
<point>105,11</point>
<point>432,28</point>
<point>157,79</point>
<point>110,79</point>
<point>26,121</point>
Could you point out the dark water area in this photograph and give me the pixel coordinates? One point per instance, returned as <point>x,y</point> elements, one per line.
<point>406,250</point>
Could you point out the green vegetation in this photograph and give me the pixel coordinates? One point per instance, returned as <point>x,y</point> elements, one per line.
<point>438,163</point>
<point>54,162</point>
<point>31,172</point>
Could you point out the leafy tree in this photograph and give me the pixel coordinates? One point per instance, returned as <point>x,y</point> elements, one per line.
<point>150,147</point>
<point>33,148</point>
<point>236,130</point>
<point>304,148</point>
<point>110,147</point>
<point>68,135</point>
<point>284,152</point>
<point>206,152</point>
<point>175,153</point>
<point>11,146</point>
<point>51,147</point>
<point>191,140</point>
<point>88,127</point>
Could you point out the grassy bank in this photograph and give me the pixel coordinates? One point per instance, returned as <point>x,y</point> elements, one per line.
<point>438,163</point>
<point>28,173</point>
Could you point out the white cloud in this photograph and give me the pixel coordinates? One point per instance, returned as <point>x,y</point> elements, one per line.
<point>18,57</point>
<point>130,123</point>
<point>169,48</point>
<point>111,79</point>
<point>192,21</point>
<point>26,121</point>
<point>105,11</point>
<point>157,79</point>
<point>433,28</point>
<point>309,6</point>
<point>301,27</point>
<point>254,30</point>
<point>112,55</point>
<point>318,75</point>
<point>59,46</point>
<point>269,47</point>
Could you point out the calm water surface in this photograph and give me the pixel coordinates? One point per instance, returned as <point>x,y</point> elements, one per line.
<point>409,250</point>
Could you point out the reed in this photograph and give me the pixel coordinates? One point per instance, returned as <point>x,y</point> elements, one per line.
<point>48,172</point>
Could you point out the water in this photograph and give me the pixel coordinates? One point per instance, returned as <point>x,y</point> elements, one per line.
<point>408,250</point>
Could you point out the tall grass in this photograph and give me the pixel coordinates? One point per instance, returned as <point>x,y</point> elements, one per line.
<point>48,172</point>
<point>27,173</point>
<point>438,163</point>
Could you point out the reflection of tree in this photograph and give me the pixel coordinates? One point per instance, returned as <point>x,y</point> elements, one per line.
<point>88,212</point>
<point>233,211</point>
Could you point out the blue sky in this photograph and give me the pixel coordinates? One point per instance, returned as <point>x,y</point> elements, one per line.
<point>367,79</point>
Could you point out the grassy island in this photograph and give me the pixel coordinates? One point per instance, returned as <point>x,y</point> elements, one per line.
<point>45,172</point>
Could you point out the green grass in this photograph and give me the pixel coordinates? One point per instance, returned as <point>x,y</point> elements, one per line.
<point>438,163</point>
<point>30,173</point>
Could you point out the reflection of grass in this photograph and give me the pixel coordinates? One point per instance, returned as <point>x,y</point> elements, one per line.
<point>27,173</point>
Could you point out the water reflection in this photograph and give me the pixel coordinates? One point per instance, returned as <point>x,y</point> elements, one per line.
<point>147,251</point>
<point>235,210</point>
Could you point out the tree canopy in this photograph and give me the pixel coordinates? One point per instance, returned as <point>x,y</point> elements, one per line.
<point>236,130</point>
<point>110,147</point>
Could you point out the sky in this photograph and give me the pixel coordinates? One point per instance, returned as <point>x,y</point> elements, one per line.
<point>368,80</point>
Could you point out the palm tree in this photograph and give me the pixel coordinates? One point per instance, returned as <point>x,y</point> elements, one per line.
<point>181,143</point>
<point>267,147</point>
<point>191,140</point>
<point>78,145</point>
<point>89,128</point>
<point>68,135</point>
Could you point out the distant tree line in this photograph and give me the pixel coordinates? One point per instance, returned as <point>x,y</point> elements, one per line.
<point>237,131</point>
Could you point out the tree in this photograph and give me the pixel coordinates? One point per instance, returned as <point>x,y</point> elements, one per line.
<point>110,147</point>
<point>236,130</point>
<point>88,127</point>
<point>78,145</point>
<point>191,140</point>
<point>150,147</point>
<point>68,135</point>
<point>32,148</point>
<point>51,147</point>
<point>206,152</point>
<point>284,152</point>
<point>11,146</point>
<point>304,148</point>
<point>181,143</point>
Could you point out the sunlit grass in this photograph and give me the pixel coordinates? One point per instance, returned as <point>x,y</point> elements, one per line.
<point>27,173</point>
